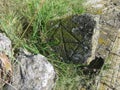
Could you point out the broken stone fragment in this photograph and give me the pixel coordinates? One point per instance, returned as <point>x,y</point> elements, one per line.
<point>72,38</point>
<point>5,64</point>
<point>32,72</point>
<point>5,44</point>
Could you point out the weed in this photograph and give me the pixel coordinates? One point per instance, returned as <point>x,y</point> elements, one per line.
<point>25,22</point>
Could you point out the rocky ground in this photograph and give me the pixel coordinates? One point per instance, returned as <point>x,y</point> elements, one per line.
<point>34,72</point>
<point>108,42</point>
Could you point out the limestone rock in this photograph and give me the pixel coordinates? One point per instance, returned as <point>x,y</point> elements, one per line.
<point>108,46</point>
<point>32,72</point>
<point>5,64</point>
<point>95,6</point>
<point>5,44</point>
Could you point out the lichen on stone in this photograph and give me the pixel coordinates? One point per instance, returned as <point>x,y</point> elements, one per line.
<point>74,34</point>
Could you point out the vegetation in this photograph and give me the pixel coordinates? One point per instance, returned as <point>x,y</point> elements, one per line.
<point>24,22</point>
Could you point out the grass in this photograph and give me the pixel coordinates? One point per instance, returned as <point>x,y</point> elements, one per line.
<point>24,22</point>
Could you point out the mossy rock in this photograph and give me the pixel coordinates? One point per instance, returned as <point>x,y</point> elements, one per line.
<point>70,37</point>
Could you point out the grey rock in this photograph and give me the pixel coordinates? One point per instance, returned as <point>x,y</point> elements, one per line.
<point>111,16</point>
<point>5,44</point>
<point>108,45</point>
<point>32,72</point>
<point>5,50</point>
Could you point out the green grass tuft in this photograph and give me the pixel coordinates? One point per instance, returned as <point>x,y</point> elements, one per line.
<point>24,22</point>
